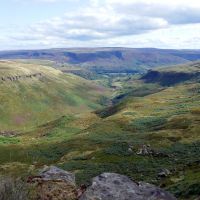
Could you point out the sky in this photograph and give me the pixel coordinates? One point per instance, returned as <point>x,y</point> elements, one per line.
<point>40,24</point>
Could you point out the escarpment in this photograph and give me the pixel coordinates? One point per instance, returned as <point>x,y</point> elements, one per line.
<point>20,77</point>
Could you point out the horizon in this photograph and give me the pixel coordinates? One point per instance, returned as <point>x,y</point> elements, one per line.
<point>47,24</point>
<point>76,48</point>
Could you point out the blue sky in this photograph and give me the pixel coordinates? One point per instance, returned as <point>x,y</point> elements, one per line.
<point>31,11</point>
<point>37,24</point>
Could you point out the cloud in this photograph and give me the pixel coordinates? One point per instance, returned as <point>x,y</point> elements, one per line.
<point>118,18</point>
<point>97,22</point>
<point>116,22</point>
<point>174,12</point>
<point>91,27</point>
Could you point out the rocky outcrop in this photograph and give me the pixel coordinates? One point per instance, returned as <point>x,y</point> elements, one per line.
<point>111,186</point>
<point>146,150</point>
<point>164,173</point>
<point>168,78</point>
<point>56,184</point>
<point>8,133</point>
<point>53,173</point>
<point>19,77</point>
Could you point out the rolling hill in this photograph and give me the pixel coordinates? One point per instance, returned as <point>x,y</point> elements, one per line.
<point>107,60</point>
<point>150,133</point>
<point>33,94</point>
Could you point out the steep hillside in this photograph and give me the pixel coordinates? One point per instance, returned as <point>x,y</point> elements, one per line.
<point>32,94</point>
<point>173,75</point>
<point>108,60</point>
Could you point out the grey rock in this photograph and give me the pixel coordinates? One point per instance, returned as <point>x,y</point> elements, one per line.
<point>53,173</point>
<point>145,150</point>
<point>112,186</point>
<point>164,173</point>
<point>130,150</point>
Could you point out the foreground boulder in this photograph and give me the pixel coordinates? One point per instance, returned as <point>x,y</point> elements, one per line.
<point>53,173</point>
<point>112,186</point>
<point>53,183</point>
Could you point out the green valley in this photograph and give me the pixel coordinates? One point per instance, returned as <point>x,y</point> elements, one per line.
<point>137,125</point>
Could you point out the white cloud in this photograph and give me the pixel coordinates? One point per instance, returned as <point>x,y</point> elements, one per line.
<point>158,23</point>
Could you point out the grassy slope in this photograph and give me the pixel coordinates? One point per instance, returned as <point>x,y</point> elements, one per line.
<point>167,119</point>
<point>175,74</point>
<point>33,101</point>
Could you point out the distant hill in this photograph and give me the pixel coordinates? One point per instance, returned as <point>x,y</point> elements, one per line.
<point>31,95</point>
<point>108,60</point>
